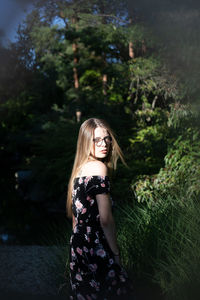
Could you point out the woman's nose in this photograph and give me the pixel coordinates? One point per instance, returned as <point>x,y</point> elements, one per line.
<point>103,142</point>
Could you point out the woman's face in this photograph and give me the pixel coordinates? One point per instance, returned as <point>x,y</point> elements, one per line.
<point>101,144</point>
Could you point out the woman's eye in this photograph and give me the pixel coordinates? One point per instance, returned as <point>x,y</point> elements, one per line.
<point>107,138</point>
<point>97,140</point>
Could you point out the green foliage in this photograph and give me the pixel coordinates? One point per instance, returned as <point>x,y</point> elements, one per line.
<point>183,116</point>
<point>151,81</point>
<point>148,144</point>
<point>181,166</point>
<point>159,231</point>
<point>150,93</point>
<point>16,113</point>
<point>140,34</point>
<point>54,151</point>
<point>91,80</point>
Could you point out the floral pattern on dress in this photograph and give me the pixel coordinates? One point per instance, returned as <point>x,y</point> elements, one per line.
<point>93,271</point>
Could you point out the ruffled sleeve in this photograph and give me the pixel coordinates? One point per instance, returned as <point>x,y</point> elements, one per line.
<point>98,185</point>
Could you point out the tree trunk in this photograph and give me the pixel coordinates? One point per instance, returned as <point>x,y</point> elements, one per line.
<point>76,81</point>
<point>75,72</point>
<point>144,47</point>
<point>104,76</point>
<point>131,48</point>
<point>104,84</point>
<point>75,48</point>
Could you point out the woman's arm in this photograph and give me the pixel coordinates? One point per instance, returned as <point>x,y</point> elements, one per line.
<point>107,222</point>
<point>73,221</point>
<point>105,209</point>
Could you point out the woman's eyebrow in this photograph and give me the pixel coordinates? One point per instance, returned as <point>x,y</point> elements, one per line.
<point>99,137</point>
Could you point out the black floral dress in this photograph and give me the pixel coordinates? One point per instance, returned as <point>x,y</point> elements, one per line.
<point>93,271</point>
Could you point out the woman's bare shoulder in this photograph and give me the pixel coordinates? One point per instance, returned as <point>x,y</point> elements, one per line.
<point>95,167</point>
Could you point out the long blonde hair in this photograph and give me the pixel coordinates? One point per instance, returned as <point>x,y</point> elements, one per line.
<point>84,145</point>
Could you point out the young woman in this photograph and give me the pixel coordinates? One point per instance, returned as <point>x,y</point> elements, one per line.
<point>95,267</point>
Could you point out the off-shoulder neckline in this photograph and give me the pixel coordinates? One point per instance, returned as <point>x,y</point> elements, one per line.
<point>91,176</point>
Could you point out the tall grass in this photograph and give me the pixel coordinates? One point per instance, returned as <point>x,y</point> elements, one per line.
<point>162,243</point>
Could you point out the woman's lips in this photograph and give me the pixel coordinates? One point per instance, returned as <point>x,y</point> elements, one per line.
<point>104,151</point>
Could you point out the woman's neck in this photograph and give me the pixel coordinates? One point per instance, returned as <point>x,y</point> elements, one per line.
<point>93,158</point>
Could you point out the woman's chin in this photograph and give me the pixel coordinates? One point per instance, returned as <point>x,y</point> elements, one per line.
<point>101,155</point>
